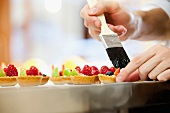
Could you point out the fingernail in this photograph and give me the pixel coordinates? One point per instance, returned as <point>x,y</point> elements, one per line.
<point>93,10</point>
<point>119,78</point>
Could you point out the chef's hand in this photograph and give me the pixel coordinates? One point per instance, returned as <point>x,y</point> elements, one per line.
<point>152,64</point>
<point>118,18</point>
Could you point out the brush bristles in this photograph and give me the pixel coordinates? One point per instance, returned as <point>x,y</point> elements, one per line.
<point>118,57</point>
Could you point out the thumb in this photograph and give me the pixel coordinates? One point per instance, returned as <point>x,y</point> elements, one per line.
<point>103,6</point>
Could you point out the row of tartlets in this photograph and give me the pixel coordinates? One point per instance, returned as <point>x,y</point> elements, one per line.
<point>9,75</point>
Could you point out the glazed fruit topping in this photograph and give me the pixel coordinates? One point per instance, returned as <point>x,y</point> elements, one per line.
<point>117,71</point>
<point>11,70</point>
<point>94,70</point>
<point>104,70</point>
<point>2,73</point>
<point>44,75</point>
<point>86,70</point>
<point>55,72</point>
<point>22,72</point>
<point>78,69</point>
<point>33,71</point>
<point>113,69</point>
<point>109,73</point>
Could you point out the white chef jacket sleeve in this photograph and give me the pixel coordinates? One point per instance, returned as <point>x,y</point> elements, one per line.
<point>164,4</point>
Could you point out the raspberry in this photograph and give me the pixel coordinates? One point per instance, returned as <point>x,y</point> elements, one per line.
<point>33,71</point>
<point>11,70</point>
<point>104,70</point>
<point>94,70</point>
<point>78,69</point>
<point>61,73</point>
<point>86,70</point>
<point>112,69</point>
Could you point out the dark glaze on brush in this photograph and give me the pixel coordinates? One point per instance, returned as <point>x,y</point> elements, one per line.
<point>118,57</point>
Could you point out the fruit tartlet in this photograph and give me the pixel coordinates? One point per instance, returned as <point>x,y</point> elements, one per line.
<point>67,74</point>
<point>55,78</point>
<point>88,75</point>
<point>63,76</point>
<point>8,75</point>
<point>31,77</point>
<point>45,79</point>
<point>108,75</point>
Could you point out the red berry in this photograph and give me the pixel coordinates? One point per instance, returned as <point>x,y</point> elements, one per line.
<point>112,69</point>
<point>39,73</point>
<point>61,73</point>
<point>78,69</point>
<point>32,71</point>
<point>86,70</point>
<point>104,70</point>
<point>11,70</point>
<point>94,70</point>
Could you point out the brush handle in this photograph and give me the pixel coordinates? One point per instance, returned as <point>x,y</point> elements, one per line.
<point>104,28</point>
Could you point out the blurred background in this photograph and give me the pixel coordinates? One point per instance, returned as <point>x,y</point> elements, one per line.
<point>46,32</point>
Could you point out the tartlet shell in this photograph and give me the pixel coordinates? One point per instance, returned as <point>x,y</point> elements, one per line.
<point>85,79</point>
<point>56,80</point>
<point>8,81</point>
<point>29,80</point>
<point>44,80</point>
<point>107,79</point>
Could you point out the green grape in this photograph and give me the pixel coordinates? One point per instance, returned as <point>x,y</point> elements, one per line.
<point>2,73</point>
<point>74,73</point>
<point>67,72</point>
<point>23,73</point>
<point>55,72</point>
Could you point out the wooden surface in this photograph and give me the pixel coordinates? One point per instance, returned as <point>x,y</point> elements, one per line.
<point>4,30</point>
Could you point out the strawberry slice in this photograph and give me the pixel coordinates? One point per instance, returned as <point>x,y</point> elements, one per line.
<point>94,70</point>
<point>113,69</point>
<point>104,70</point>
<point>77,68</point>
<point>87,70</point>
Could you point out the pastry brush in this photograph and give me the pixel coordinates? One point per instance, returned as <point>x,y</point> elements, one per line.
<point>111,42</point>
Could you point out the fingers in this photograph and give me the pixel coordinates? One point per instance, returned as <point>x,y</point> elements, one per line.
<point>102,6</point>
<point>89,20</point>
<point>135,64</point>
<point>163,66</point>
<point>94,34</point>
<point>164,76</point>
<point>146,69</point>
<point>119,29</point>
<point>153,64</point>
<point>133,77</point>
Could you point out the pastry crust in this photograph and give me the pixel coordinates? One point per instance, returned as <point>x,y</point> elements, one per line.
<point>85,79</point>
<point>107,79</point>
<point>8,81</point>
<point>56,80</point>
<point>29,80</point>
<point>66,80</point>
<point>44,80</point>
